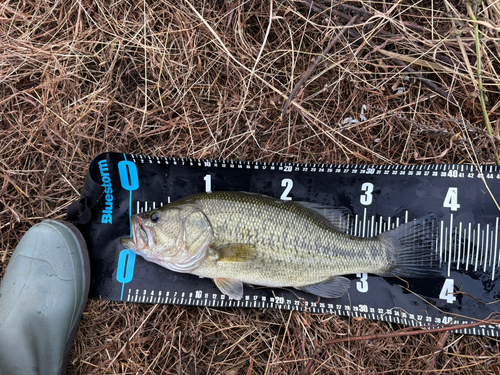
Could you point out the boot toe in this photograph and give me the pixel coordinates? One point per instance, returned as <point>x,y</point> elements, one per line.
<point>42,297</point>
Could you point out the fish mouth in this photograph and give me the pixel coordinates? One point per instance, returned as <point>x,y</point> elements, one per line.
<point>140,239</point>
<point>139,233</point>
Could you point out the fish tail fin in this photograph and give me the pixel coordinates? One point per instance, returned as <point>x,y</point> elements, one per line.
<point>413,248</point>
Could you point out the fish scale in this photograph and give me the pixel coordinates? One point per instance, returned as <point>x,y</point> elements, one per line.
<point>306,243</point>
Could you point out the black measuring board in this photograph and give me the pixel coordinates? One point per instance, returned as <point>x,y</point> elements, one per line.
<point>380,197</point>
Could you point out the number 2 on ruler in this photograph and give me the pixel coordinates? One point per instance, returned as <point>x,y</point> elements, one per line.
<point>287,184</point>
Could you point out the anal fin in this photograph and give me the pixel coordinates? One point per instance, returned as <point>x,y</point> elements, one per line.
<point>334,287</point>
<point>231,287</point>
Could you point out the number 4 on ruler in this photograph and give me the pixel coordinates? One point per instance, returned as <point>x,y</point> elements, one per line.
<point>451,199</point>
<point>447,291</point>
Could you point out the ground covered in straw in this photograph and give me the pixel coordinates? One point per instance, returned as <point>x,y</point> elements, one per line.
<point>380,82</point>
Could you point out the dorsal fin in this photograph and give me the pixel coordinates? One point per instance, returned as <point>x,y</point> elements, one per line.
<point>339,217</point>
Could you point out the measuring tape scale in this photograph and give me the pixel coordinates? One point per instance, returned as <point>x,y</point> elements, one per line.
<point>467,246</point>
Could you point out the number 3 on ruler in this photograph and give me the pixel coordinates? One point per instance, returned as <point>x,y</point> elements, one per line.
<point>362,284</point>
<point>366,198</point>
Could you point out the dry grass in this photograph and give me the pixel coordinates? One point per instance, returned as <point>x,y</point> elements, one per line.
<point>210,80</point>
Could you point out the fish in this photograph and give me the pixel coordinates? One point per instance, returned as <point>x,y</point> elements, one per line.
<point>238,238</point>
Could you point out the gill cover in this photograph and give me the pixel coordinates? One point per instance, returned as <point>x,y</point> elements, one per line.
<point>182,236</point>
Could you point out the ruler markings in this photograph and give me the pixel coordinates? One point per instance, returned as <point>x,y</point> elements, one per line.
<point>477,245</point>
<point>468,247</point>
<point>456,234</point>
<point>459,245</point>
<point>481,246</point>
<point>495,251</point>
<point>445,245</point>
<point>474,246</point>
<point>450,242</point>
<point>364,222</point>
<point>441,243</point>
<point>490,250</point>
<point>484,250</point>
<point>356,311</point>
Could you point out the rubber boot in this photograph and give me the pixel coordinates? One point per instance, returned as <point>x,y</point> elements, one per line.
<point>42,297</point>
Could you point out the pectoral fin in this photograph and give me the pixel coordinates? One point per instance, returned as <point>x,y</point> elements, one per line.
<point>231,287</point>
<point>332,288</point>
<point>239,252</point>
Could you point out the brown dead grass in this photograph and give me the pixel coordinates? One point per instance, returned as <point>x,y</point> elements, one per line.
<point>210,80</point>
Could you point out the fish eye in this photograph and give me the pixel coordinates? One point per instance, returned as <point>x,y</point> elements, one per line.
<point>155,216</point>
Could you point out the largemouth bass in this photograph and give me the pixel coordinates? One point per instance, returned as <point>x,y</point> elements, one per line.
<point>240,238</point>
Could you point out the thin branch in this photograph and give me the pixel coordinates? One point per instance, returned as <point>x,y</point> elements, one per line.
<point>407,332</point>
<point>445,95</point>
<point>313,66</point>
